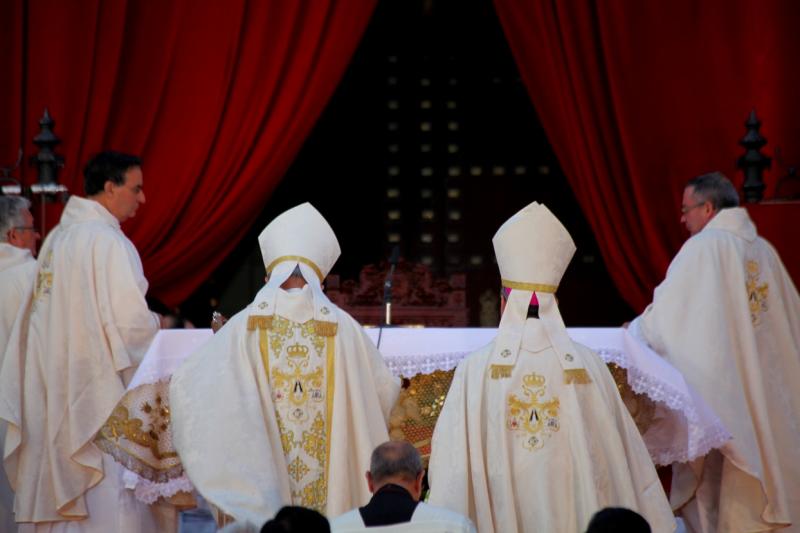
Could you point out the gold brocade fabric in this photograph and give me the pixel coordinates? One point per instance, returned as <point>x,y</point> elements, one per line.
<point>138,435</point>
<point>757,293</point>
<point>641,407</point>
<point>417,409</point>
<point>300,380</point>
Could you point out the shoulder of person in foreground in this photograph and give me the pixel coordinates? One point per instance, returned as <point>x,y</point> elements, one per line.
<point>451,520</point>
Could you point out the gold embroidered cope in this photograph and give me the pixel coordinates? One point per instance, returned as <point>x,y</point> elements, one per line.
<point>298,361</point>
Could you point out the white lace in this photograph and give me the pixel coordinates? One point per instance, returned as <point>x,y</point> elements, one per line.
<point>704,434</point>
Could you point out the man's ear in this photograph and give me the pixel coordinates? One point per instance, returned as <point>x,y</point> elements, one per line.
<point>370,482</point>
<point>108,187</point>
<point>418,484</point>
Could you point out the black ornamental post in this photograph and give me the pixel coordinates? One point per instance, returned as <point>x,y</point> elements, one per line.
<point>753,162</point>
<point>46,161</point>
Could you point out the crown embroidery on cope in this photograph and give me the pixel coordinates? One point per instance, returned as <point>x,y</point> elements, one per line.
<point>297,351</point>
<point>532,419</point>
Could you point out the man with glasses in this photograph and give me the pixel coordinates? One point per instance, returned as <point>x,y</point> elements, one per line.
<point>83,329</point>
<point>728,317</point>
<point>18,238</point>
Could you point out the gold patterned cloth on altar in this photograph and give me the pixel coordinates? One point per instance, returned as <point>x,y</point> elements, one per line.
<point>138,435</point>
<point>417,409</point>
<point>299,366</point>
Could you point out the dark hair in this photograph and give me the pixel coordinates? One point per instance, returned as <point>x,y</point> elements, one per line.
<point>107,166</point>
<point>292,519</point>
<point>395,458</point>
<point>715,188</point>
<point>618,520</point>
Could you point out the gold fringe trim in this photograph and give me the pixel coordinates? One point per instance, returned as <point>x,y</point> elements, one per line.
<point>138,465</point>
<point>262,322</point>
<point>522,286</point>
<point>325,329</point>
<point>501,371</point>
<point>577,376</point>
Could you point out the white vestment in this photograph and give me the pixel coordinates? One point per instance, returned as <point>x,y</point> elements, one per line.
<point>533,453</point>
<point>280,408</point>
<point>17,268</point>
<point>11,256</point>
<point>426,519</point>
<point>728,317</point>
<point>82,330</point>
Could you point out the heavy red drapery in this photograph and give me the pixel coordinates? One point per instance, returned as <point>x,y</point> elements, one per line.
<point>217,97</point>
<point>637,97</point>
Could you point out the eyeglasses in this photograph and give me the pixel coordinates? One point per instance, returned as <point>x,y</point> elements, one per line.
<point>24,228</point>
<point>686,208</point>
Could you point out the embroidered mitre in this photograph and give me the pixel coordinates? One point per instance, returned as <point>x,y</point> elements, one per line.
<point>533,250</point>
<point>299,237</point>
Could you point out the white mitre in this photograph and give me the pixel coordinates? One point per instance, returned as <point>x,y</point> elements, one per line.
<point>298,237</point>
<point>533,250</point>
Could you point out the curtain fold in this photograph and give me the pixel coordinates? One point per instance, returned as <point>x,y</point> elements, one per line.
<point>217,97</point>
<point>638,97</point>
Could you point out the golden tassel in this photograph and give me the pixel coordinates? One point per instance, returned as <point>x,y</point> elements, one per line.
<point>325,329</point>
<point>262,322</point>
<point>577,376</point>
<point>501,371</point>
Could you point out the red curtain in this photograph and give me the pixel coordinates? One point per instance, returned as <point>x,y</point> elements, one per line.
<point>216,96</point>
<point>638,97</point>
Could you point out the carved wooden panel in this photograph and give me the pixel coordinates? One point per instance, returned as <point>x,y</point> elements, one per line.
<point>417,297</point>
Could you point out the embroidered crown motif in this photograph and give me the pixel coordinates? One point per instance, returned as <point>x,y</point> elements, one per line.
<point>533,380</point>
<point>297,350</point>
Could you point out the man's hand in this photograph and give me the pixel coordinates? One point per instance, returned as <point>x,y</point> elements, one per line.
<point>217,321</point>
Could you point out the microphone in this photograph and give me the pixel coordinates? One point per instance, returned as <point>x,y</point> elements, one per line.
<point>387,285</point>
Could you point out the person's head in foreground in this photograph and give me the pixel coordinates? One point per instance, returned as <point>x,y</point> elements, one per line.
<point>292,519</point>
<point>398,463</point>
<point>618,520</point>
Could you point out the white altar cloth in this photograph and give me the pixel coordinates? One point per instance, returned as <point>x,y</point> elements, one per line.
<point>685,429</point>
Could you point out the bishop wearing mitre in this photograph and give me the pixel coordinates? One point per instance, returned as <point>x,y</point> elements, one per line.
<point>284,405</point>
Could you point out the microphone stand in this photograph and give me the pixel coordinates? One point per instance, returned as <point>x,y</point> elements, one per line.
<point>387,293</point>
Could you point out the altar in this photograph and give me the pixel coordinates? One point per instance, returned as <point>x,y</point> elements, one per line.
<point>675,422</point>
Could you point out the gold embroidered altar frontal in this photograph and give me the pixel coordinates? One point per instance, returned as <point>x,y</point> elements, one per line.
<point>138,435</point>
<point>417,409</point>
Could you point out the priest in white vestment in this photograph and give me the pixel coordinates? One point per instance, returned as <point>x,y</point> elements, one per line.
<point>18,237</point>
<point>82,330</point>
<point>287,401</point>
<point>728,317</point>
<point>395,481</point>
<point>533,435</point>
